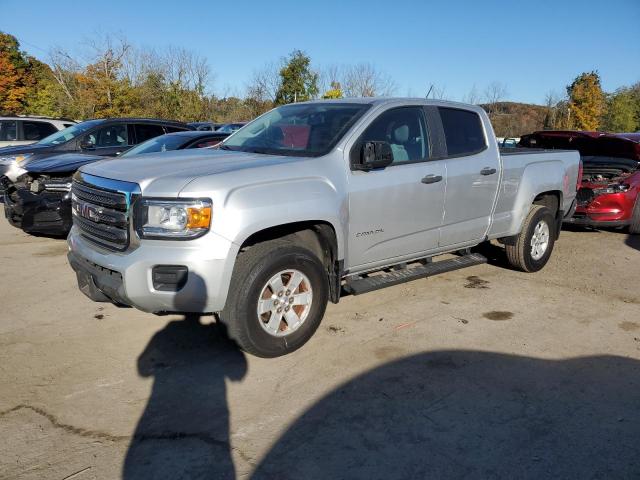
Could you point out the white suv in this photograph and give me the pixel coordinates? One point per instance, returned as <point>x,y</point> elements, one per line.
<point>23,130</point>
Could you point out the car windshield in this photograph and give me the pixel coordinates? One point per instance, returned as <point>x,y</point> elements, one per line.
<point>163,143</point>
<point>310,129</point>
<point>69,133</point>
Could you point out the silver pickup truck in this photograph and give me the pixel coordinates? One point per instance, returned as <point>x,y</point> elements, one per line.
<point>309,201</point>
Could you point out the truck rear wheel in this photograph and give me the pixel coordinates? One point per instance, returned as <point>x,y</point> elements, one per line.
<point>634,226</point>
<point>277,298</point>
<point>533,246</point>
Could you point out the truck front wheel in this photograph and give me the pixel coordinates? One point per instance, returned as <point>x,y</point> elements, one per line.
<point>532,247</point>
<point>277,298</point>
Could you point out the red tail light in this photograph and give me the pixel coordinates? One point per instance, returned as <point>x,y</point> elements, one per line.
<point>580,170</point>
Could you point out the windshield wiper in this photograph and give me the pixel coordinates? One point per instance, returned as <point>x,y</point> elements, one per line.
<point>225,147</point>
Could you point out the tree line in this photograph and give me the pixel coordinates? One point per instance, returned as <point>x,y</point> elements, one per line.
<point>114,78</point>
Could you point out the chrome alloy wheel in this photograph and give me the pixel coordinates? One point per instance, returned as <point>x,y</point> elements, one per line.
<point>285,302</point>
<point>540,240</point>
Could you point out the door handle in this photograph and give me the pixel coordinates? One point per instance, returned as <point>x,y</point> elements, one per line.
<point>431,179</point>
<point>487,171</point>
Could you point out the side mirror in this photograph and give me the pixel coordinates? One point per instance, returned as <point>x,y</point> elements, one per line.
<point>86,145</point>
<point>374,155</point>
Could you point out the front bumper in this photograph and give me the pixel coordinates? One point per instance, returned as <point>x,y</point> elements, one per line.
<point>45,212</point>
<point>606,210</point>
<point>582,219</point>
<point>126,278</point>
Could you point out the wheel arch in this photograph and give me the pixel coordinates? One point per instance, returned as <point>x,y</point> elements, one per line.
<point>319,236</point>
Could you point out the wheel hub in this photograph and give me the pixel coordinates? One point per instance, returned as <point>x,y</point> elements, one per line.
<point>285,302</point>
<point>539,240</point>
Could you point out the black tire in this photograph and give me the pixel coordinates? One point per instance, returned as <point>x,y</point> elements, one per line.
<point>519,252</point>
<point>252,271</point>
<point>634,226</point>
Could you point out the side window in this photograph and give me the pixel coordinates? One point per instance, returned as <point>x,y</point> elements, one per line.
<point>175,129</point>
<point>37,130</point>
<point>146,131</point>
<point>462,130</point>
<point>8,130</point>
<point>110,136</point>
<point>405,130</point>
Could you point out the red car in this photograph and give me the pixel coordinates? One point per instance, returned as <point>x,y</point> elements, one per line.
<point>610,188</point>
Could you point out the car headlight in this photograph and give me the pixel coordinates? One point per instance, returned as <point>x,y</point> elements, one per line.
<point>613,188</point>
<point>173,219</point>
<point>9,159</point>
<point>14,172</point>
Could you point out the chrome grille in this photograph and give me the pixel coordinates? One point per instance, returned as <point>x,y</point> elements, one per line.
<point>101,215</point>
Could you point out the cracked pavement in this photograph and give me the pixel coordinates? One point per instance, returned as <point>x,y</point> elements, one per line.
<point>483,372</point>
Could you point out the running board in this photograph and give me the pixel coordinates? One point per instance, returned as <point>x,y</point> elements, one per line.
<point>360,285</point>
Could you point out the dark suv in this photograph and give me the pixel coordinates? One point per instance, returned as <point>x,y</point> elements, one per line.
<point>105,137</point>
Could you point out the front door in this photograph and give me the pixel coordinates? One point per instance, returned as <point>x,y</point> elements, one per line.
<point>109,141</point>
<point>395,212</point>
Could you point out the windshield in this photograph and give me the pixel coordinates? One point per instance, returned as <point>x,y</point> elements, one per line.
<point>69,133</point>
<point>299,129</point>
<point>162,143</point>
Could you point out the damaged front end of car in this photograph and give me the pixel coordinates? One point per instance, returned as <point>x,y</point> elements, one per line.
<point>39,203</point>
<point>607,192</point>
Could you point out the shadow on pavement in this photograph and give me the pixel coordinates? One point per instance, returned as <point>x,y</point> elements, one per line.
<point>184,430</point>
<point>465,414</point>
<point>633,241</point>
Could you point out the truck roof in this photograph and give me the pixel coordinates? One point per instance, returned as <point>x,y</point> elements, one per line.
<point>385,100</point>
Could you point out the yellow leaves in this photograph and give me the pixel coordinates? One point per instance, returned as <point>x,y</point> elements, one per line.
<point>586,101</point>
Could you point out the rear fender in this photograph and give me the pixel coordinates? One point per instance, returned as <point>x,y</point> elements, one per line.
<point>536,179</point>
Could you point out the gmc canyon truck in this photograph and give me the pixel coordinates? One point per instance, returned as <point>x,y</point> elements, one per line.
<point>306,202</point>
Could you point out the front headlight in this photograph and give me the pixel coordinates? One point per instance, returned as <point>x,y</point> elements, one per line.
<point>14,172</point>
<point>613,188</point>
<point>9,159</point>
<point>173,219</point>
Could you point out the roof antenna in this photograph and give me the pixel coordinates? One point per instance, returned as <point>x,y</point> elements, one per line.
<point>429,92</point>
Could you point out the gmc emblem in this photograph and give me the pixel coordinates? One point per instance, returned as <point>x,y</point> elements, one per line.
<point>85,210</point>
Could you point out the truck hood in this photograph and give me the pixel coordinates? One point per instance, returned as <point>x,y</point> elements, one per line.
<point>168,173</point>
<point>65,163</point>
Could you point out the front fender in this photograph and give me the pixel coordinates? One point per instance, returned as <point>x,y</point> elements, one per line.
<point>248,209</point>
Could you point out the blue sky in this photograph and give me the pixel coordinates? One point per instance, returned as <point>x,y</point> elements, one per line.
<point>532,47</point>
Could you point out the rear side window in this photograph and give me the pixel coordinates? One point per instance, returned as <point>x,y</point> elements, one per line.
<point>145,132</point>
<point>176,129</point>
<point>463,131</point>
<point>37,130</point>
<point>8,130</point>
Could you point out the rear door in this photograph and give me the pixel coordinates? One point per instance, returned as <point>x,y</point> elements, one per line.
<point>473,173</point>
<point>395,212</point>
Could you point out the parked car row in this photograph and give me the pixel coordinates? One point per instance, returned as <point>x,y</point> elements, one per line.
<point>307,202</point>
<point>36,180</point>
